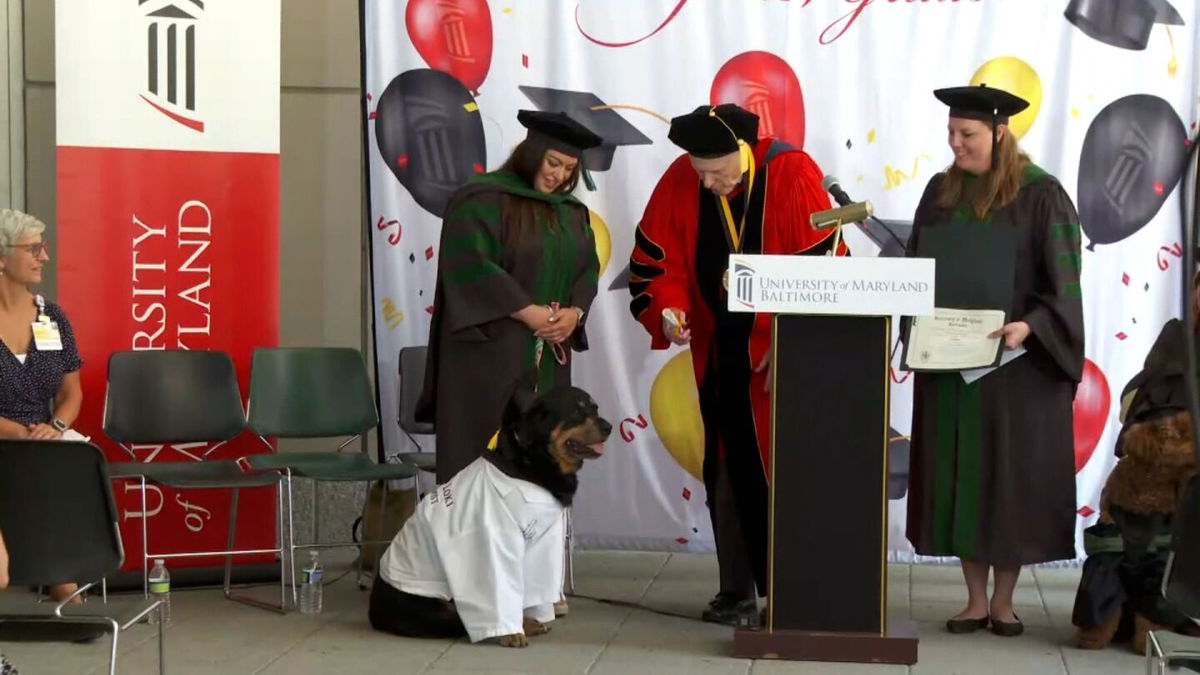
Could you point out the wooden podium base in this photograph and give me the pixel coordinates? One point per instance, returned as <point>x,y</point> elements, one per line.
<point>898,646</point>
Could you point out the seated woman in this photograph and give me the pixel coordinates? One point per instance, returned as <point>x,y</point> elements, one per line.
<point>40,394</point>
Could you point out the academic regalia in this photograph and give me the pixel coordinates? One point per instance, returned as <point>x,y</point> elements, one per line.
<point>477,352</point>
<point>680,260</point>
<point>992,467</point>
<point>487,541</point>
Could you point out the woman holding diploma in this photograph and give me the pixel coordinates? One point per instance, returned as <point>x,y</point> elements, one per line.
<point>992,477</point>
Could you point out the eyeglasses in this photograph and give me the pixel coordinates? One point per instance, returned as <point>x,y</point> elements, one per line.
<point>36,250</point>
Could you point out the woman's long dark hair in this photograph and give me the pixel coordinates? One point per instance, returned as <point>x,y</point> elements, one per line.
<point>519,215</point>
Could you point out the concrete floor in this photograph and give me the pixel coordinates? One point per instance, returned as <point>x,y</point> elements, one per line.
<point>212,635</point>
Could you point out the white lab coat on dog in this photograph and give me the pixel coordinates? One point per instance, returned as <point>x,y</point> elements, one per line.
<point>491,543</point>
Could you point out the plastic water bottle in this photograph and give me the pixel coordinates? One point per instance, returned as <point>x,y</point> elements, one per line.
<point>160,589</point>
<point>310,589</point>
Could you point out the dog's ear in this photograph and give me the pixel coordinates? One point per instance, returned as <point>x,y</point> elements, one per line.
<point>522,393</point>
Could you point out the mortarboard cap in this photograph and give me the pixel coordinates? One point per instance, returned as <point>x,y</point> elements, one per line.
<point>710,131</point>
<point>981,102</point>
<point>591,112</point>
<point>561,132</point>
<point>1124,23</point>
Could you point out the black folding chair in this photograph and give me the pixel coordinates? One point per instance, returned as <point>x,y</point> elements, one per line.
<point>60,525</point>
<point>187,398</point>
<point>412,380</point>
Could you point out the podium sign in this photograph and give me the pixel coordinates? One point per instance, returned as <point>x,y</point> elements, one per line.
<point>831,359</point>
<point>791,284</point>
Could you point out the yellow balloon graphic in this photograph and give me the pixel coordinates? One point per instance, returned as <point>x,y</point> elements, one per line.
<point>603,240</point>
<point>675,412</point>
<point>1016,77</point>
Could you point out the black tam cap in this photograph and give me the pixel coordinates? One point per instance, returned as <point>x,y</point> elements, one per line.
<point>713,131</point>
<point>981,102</point>
<point>1126,24</point>
<point>560,131</point>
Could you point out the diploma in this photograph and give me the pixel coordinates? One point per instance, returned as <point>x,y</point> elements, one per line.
<point>953,339</point>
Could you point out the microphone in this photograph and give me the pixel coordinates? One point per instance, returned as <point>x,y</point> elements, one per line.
<point>850,213</point>
<point>833,187</point>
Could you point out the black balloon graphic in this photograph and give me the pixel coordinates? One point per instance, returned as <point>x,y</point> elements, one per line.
<point>1132,158</point>
<point>430,134</point>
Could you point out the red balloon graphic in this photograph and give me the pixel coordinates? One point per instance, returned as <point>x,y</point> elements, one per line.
<point>765,85</point>
<point>453,36</point>
<point>1092,401</point>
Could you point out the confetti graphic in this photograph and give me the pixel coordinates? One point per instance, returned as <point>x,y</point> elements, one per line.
<point>392,227</point>
<point>392,316</point>
<point>895,177</point>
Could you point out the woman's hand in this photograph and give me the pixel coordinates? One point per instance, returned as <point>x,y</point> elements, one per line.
<point>535,317</point>
<point>1014,334</point>
<point>561,325</point>
<point>43,432</point>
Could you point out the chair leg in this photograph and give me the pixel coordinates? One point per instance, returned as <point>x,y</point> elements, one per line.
<point>282,549</point>
<point>232,530</point>
<point>245,600</point>
<point>162,648</point>
<point>316,513</point>
<point>112,654</point>
<point>291,541</point>
<point>145,545</point>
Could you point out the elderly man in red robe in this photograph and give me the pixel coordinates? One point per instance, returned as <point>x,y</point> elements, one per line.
<point>732,192</point>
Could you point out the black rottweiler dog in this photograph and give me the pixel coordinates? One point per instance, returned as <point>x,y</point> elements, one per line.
<point>543,439</point>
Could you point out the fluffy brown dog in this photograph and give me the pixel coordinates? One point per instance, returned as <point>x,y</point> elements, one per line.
<point>1140,496</point>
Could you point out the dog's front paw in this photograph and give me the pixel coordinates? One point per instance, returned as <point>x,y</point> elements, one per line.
<point>534,627</point>
<point>514,640</point>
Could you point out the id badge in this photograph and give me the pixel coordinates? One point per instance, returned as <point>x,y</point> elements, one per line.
<point>46,336</point>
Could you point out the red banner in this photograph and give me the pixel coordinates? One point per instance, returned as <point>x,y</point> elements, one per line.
<point>171,250</point>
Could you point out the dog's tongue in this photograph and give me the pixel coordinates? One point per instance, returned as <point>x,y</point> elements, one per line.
<point>597,448</point>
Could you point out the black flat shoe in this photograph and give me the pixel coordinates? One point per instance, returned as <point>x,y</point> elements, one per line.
<point>1006,629</point>
<point>725,609</point>
<point>964,626</point>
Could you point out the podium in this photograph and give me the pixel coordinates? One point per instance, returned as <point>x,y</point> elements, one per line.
<point>828,500</point>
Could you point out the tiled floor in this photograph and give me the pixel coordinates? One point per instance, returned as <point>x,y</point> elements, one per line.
<point>212,635</point>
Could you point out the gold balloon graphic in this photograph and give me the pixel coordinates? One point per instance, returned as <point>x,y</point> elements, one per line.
<point>675,412</point>
<point>1016,77</point>
<point>603,240</point>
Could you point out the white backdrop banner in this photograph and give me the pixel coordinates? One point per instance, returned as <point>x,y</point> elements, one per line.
<point>1113,105</point>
